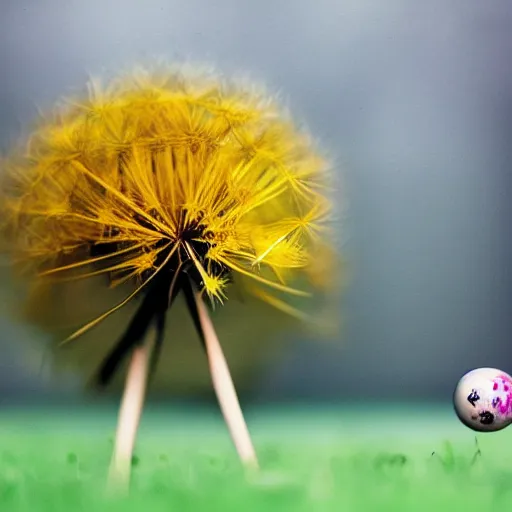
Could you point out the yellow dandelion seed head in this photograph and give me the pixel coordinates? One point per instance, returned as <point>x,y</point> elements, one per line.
<point>165,171</point>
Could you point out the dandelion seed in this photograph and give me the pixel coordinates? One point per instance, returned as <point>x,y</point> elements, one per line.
<point>179,187</point>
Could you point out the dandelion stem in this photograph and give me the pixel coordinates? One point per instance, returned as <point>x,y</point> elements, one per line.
<point>225,389</point>
<point>129,415</point>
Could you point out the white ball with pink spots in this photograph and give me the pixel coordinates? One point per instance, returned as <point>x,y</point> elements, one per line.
<point>483,399</point>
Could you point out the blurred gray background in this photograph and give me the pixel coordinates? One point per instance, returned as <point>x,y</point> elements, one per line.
<point>413,98</point>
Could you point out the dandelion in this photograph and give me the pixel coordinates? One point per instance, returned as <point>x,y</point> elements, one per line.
<point>176,185</point>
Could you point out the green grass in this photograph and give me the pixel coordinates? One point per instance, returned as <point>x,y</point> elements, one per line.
<point>344,459</point>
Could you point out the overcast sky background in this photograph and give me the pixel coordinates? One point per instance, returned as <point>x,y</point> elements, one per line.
<point>414,99</point>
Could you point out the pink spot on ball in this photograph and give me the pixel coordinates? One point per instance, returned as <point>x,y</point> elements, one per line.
<point>495,386</point>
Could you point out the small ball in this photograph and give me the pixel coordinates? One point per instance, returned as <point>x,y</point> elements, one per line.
<point>483,399</point>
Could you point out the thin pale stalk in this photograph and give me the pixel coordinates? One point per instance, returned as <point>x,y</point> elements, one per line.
<point>129,415</point>
<point>225,390</point>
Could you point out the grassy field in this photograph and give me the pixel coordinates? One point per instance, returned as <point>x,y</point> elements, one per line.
<point>313,459</point>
